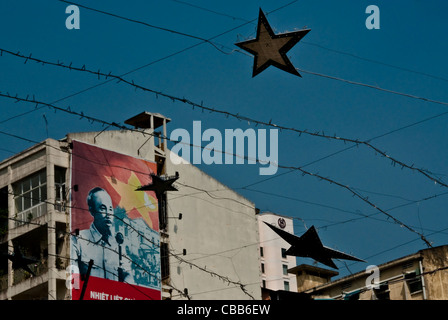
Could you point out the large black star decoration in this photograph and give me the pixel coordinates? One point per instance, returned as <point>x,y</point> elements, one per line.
<point>309,245</point>
<point>160,185</point>
<point>270,49</point>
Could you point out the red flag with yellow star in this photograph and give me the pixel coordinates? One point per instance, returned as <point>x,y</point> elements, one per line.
<point>119,175</point>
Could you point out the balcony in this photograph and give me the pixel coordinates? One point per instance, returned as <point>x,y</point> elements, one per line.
<point>21,275</point>
<point>30,214</point>
<point>39,269</point>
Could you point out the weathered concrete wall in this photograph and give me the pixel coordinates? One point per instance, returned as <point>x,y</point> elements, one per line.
<point>131,143</point>
<point>437,282</point>
<point>220,234</point>
<point>306,282</point>
<point>392,272</point>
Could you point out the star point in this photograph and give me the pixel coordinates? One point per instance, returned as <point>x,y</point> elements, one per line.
<point>135,203</point>
<point>309,245</point>
<point>159,184</point>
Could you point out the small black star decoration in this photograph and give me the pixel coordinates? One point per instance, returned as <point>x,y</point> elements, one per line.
<point>270,49</point>
<point>160,185</point>
<point>310,246</point>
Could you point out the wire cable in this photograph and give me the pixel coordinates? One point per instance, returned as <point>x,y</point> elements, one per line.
<point>351,147</point>
<point>304,172</point>
<point>356,142</point>
<point>374,87</point>
<point>323,47</point>
<point>143,23</point>
<point>147,64</point>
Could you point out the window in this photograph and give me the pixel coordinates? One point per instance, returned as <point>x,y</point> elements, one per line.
<point>30,191</point>
<point>414,282</point>
<point>163,218</point>
<point>261,252</point>
<point>285,269</point>
<point>164,260</point>
<point>286,285</point>
<point>262,268</point>
<point>283,253</point>
<point>59,182</point>
<point>263,282</point>
<point>382,293</point>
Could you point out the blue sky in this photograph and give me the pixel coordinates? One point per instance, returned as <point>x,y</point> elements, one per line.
<point>407,55</point>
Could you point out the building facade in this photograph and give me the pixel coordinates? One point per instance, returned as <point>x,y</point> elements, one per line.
<point>208,233</point>
<point>419,276</point>
<point>34,219</point>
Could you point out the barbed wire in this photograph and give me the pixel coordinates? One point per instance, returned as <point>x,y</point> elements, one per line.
<point>352,146</point>
<point>147,24</point>
<point>150,63</point>
<point>374,87</point>
<point>304,172</point>
<point>368,144</point>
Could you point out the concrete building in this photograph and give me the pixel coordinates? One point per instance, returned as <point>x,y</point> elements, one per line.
<point>275,264</point>
<point>35,220</point>
<point>419,276</point>
<point>209,233</point>
<point>309,277</point>
<point>218,234</point>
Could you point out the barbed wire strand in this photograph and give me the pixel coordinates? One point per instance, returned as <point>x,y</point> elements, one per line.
<point>304,172</point>
<point>356,142</point>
